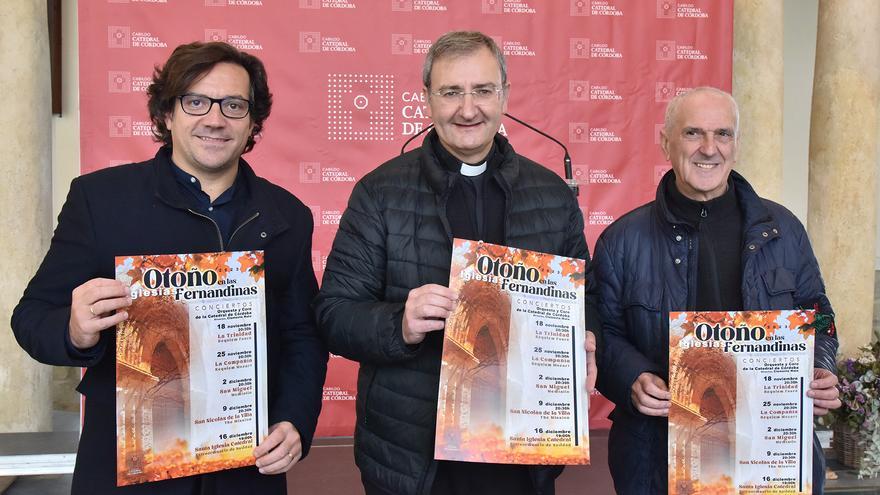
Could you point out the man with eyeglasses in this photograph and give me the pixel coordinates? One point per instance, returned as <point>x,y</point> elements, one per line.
<point>706,243</point>
<point>208,104</point>
<point>384,297</point>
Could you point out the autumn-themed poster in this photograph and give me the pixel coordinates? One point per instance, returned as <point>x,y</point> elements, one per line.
<point>190,364</point>
<point>513,372</point>
<point>740,420</point>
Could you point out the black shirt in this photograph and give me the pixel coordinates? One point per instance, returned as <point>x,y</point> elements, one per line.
<point>717,225</point>
<point>476,204</point>
<point>222,210</point>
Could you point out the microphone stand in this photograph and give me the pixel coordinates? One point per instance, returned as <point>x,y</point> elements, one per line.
<point>426,129</point>
<point>566,160</point>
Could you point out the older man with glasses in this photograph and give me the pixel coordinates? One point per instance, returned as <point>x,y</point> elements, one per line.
<point>207,104</point>
<point>384,298</point>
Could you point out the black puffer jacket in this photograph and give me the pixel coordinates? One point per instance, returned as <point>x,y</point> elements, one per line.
<point>393,237</point>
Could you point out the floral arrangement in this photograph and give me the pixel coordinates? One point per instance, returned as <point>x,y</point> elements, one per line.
<point>860,394</point>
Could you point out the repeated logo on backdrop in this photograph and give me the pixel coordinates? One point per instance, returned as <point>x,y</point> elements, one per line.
<point>347,91</point>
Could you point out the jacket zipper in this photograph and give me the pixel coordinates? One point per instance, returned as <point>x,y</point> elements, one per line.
<point>217,227</point>
<point>255,215</point>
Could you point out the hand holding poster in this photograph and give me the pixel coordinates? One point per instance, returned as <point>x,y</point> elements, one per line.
<point>190,365</point>
<point>513,368</point>
<point>740,421</point>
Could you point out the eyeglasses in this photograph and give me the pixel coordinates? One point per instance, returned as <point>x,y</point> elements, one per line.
<point>693,134</point>
<point>231,107</point>
<point>483,95</point>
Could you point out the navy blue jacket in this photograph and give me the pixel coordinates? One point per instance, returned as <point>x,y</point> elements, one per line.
<point>140,209</point>
<point>645,265</point>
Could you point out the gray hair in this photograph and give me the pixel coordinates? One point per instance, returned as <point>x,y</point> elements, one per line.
<point>672,108</point>
<point>456,43</point>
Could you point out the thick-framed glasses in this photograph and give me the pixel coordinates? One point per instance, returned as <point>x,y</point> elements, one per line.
<point>694,134</point>
<point>231,107</point>
<point>484,94</point>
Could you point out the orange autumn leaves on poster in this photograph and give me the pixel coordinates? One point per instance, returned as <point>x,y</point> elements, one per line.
<point>475,409</point>
<point>570,268</point>
<point>153,360</point>
<point>800,320</point>
<point>250,261</point>
<point>703,383</point>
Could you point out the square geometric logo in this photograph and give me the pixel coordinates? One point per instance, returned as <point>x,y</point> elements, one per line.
<point>310,172</point>
<point>666,9</point>
<point>665,50</point>
<point>119,36</point>
<point>579,90</point>
<point>579,8</point>
<point>401,44</point>
<point>360,107</point>
<point>579,48</point>
<point>492,7</point>
<point>660,171</point>
<point>119,81</point>
<point>578,132</point>
<point>316,214</point>
<point>215,3</point>
<point>401,5</point>
<point>309,42</point>
<point>310,4</point>
<point>120,126</point>
<point>664,91</point>
<point>317,265</point>
<point>215,34</point>
<point>581,174</point>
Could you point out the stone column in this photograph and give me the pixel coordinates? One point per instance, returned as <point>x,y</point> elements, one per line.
<point>843,160</point>
<point>757,86</point>
<point>24,202</point>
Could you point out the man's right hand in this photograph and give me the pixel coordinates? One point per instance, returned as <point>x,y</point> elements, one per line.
<point>650,395</point>
<point>94,307</point>
<point>426,310</point>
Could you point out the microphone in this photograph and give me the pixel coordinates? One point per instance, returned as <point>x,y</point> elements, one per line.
<point>566,160</point>
<point>426,129</point>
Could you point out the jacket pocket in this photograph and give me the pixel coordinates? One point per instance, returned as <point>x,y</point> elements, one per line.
<point>365,385</point>
<point>780,287</point>
<point>643,314</point>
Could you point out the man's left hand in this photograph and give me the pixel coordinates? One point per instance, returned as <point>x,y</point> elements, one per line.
<point>280,450</point>
<point>592,370</point>
<point>823,390</point>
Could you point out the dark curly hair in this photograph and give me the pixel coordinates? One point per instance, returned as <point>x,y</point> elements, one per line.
<point>186,65</point>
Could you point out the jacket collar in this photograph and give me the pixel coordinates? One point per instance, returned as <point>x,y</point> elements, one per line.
<point>259,198</point>
<point>440,178</point>
<point>754,213</point>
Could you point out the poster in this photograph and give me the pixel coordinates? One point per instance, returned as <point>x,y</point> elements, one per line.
<point>190,364</point>
<point>513,372</point>
<point>740,421</point>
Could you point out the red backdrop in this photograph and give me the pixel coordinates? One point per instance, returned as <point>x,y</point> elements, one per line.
<point>346,76</point>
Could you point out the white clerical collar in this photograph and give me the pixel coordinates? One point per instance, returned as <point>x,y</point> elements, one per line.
<point>472,170</point>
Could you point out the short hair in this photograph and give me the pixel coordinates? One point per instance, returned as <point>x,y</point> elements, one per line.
<point>189,63</point>
<point>456,43</point>
<point>672,107</point>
